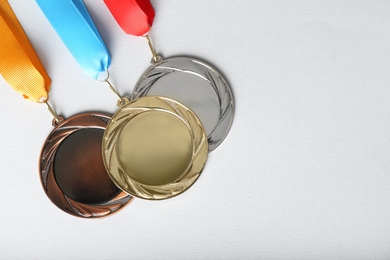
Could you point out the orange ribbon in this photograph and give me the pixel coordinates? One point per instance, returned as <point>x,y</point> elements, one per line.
<point>19,64</point>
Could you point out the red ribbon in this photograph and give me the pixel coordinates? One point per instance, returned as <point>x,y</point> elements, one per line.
<point>135,17</point>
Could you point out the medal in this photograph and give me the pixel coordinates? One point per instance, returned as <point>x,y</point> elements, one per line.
<point>153,147</point>
<point>190,81</point>
<point>72,171</point>
<point>76,184</point>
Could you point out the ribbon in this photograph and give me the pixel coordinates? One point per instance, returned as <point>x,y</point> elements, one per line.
<point>19,64</point>
<point>135,17</point>
<point>74,25</point>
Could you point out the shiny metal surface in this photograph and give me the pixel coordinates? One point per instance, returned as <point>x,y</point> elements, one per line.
<point>196,85</point>
<point>154,148</point>
<point>72,172</point>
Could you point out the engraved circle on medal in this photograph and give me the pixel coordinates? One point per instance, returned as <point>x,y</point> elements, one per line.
<point>72,172</point>
<point>196,85</point>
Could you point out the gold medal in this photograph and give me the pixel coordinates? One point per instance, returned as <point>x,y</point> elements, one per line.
<point>154,147</point>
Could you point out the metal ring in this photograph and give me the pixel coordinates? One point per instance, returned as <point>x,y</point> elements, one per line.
<point>106,79</point>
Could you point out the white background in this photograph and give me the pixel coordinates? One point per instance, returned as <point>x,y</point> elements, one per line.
<point>303,174</point>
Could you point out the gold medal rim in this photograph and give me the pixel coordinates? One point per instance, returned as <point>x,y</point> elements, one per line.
<point>154,192</point>
<point>46,169</point>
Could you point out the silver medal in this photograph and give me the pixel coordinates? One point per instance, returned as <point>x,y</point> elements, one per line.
<point>198,86</point>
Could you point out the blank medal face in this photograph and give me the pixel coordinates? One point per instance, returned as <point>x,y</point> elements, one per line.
<point>72,170</point>
<point>154,148</point>
<point>196,85</point>
<point>79,169</point>
<point>157,137</point>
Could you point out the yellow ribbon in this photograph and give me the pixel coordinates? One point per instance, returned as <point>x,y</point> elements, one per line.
<point>19,64</point>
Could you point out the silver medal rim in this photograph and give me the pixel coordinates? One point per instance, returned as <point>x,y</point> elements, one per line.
<point>222,89</point>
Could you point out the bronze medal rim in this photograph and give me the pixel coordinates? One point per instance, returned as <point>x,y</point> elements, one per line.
<point>46,169</point>
<point>154,192</point>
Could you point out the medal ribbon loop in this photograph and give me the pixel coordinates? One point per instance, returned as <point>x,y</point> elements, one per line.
<point>19,64</point>
<point>74,25</point>
<point>135,17</point>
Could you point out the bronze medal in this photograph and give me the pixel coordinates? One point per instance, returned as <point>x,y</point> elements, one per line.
<point>72,171</point>
<point>71,166</point>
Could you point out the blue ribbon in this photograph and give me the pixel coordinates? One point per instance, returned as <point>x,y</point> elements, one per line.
<point>72,22</point>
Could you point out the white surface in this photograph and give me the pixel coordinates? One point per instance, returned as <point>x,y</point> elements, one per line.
<point>303,174</point>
